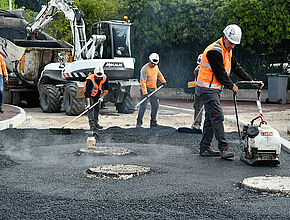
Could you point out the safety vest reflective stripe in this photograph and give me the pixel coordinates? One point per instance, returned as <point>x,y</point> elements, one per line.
<point>96,87</point>
<point>217,48</point>
<point>205,84</point>
<point>206,77</point>
<point>205,64</point>
<point>148,78</point>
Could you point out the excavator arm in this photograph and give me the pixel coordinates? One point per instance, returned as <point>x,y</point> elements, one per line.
<point>75,17</point>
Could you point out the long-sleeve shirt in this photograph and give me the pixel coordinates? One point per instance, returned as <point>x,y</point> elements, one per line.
<point>215,60</point>
<point>149,76</point>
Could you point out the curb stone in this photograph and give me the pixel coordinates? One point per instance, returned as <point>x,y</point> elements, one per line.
<point>14,121</point>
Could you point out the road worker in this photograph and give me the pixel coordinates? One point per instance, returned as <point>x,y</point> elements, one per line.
<point>3,78</point>
<point>217,63</point>
<point>95,89</point>
<point>197,99</point>
<point>148,84</point>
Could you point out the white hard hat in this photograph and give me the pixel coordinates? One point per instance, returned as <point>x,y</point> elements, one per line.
<point>199,59</point>
<point>99,71</point>
<point>154,58</point>
<point>233,33</point>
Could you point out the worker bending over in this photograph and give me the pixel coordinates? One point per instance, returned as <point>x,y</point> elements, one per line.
<point>95,89</point>
<point>216,66</point>
<point>148,83</point>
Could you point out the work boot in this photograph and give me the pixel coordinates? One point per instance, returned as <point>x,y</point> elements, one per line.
<point>93,127</point>
<point>153,124</point>
<point>1,110</point>
<point>210,153</point>
<point>138,125</point>
<point>227,154</point>
<point>99,126</point>
<point>197,126</point>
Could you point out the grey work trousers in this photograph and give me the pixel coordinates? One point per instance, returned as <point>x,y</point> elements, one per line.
<point>93,114</point>
<point>197,108</point>
<point>154,108</point>
<point>213,123</point>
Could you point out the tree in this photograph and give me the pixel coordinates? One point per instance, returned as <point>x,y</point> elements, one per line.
<point>33,5</point>
<point>5,4</point>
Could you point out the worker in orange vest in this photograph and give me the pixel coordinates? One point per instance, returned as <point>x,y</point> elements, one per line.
<point>3,78</point>
<point>95,89</point>
<point>216,66</point>
<point>148,83</point>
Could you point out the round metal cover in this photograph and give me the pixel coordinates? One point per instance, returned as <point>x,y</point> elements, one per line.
<point>102,151</point>
<point>117,171</point>
<point>270,184</point>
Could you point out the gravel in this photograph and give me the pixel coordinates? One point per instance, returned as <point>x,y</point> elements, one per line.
<point>43,178</point>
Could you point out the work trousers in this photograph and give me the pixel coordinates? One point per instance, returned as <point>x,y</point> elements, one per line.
<point>213,123</point>
<point>154,108</point>
<point>93,114</point>
<point>1,90</point>
<point>197,108</point>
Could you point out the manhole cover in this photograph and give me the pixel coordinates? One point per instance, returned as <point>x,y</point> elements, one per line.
<point>270,184</point>
<point>102,150</point>
<point>117,171</point>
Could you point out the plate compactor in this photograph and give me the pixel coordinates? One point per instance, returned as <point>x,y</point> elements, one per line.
<point>260,142</point>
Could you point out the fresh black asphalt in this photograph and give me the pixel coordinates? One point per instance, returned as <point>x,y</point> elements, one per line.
<point>42,177</point>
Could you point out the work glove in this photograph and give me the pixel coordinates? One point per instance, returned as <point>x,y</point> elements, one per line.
<point>101,99</point>
<point>163,84</point>
<point>88,105</point>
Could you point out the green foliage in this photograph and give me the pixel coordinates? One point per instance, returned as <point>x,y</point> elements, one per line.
<point>30,15</point>
<point>99,10</point>
<point>4,4</point>
<point>33,5</point>
<point>265,23</point>
<point>179,30</point>
<point>170,27</point>
<point>60,28</point>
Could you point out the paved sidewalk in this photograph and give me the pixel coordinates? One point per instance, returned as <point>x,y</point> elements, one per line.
<point>12,116</point>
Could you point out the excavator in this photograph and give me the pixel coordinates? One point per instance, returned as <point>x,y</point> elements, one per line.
<point>109,45</point>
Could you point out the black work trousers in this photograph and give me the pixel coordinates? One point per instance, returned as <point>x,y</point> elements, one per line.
<point>93,114</point>
<point>154,102</point>
<point>213,123</point>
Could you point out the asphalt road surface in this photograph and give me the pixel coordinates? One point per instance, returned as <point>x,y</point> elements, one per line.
<point>42,177</point>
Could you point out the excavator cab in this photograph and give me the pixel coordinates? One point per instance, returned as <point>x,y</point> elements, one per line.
<point>118,42</point>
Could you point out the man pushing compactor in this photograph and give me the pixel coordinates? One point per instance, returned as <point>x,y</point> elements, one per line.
<point>217,63</point>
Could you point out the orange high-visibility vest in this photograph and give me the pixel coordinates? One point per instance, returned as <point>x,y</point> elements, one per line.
<point>3,70</point>
<point>96,87</point>
<point>206,77</point>
<point>148,78</point>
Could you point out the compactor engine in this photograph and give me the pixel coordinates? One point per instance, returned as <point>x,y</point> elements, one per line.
<point>261,144</point>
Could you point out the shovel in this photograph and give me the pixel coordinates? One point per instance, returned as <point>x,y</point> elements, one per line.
<point>192,130</point>
<point>143,100</point>
<point>62,130</point>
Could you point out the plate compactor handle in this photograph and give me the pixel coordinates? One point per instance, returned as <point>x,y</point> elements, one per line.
<point>260,84</point>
